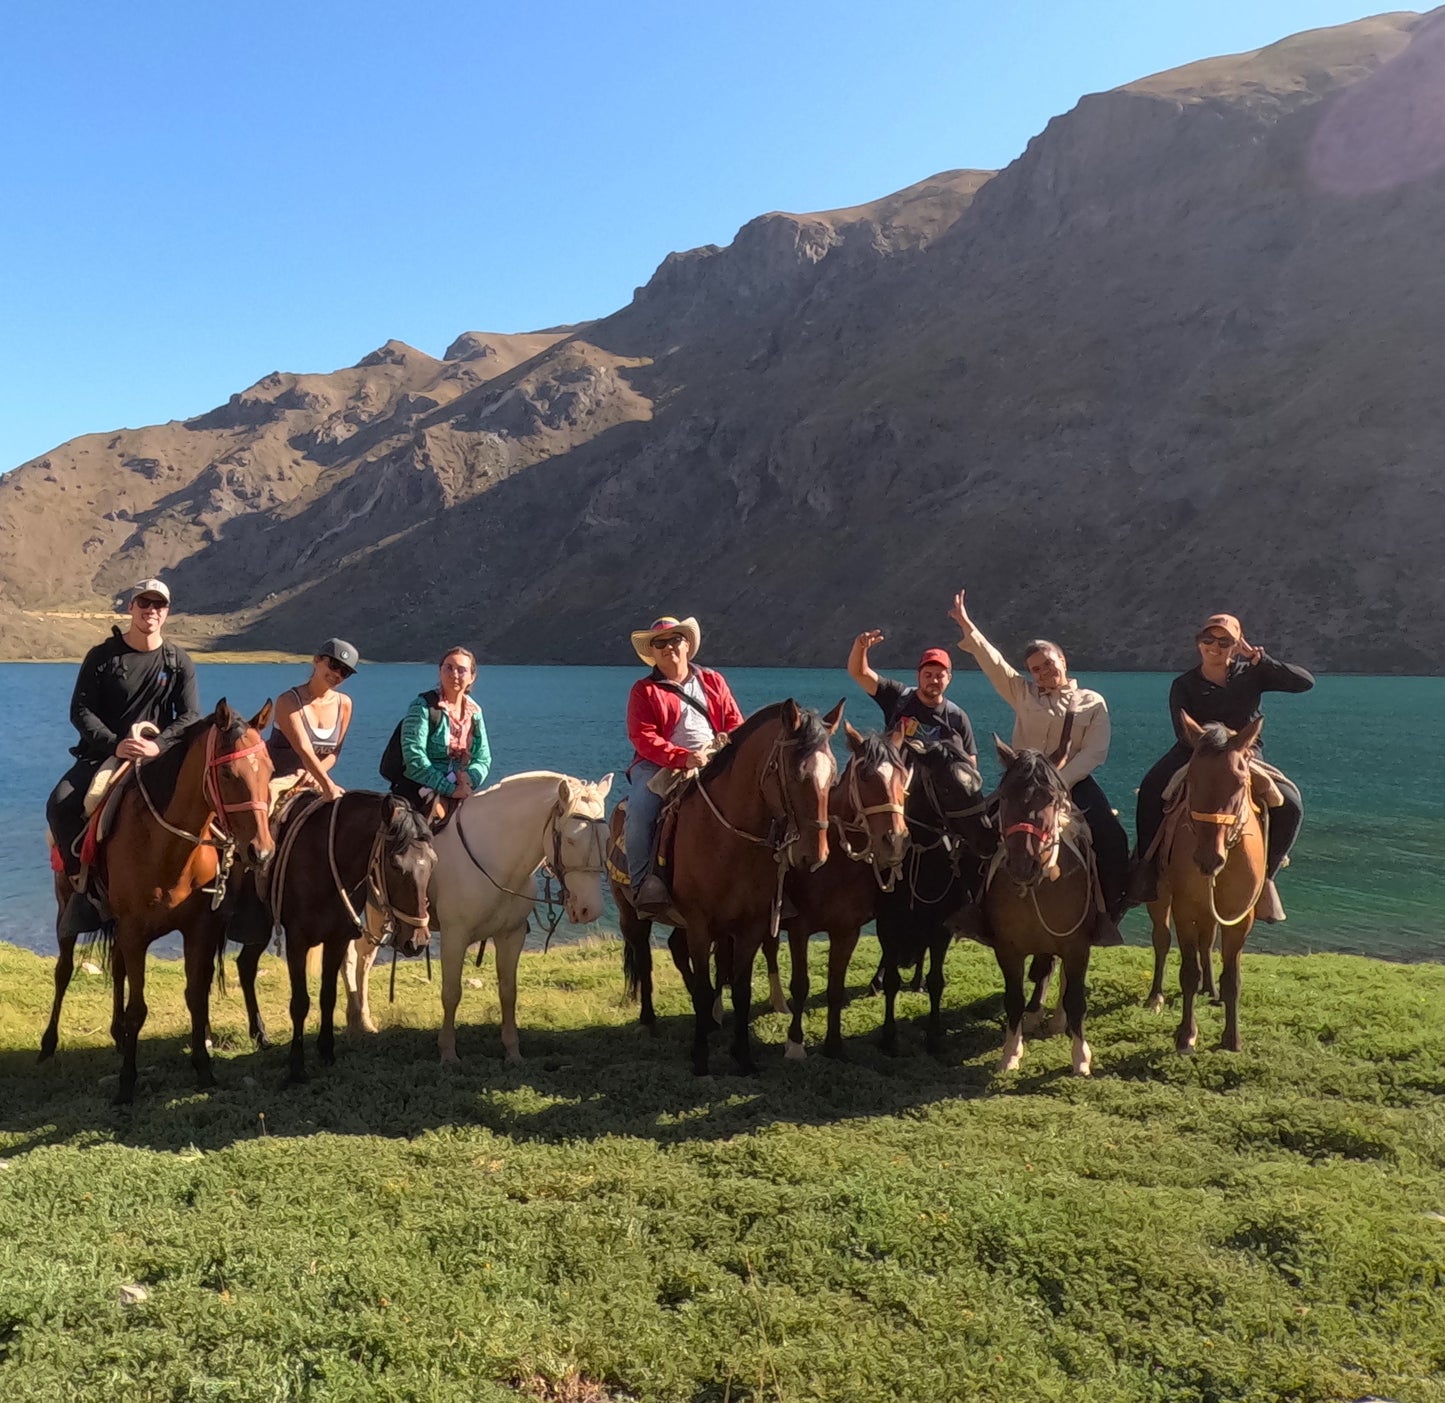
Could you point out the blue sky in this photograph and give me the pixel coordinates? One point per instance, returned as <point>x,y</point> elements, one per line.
<point>193,195</point>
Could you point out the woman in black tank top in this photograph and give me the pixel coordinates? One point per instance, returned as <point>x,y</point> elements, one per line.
<point>312,719</point>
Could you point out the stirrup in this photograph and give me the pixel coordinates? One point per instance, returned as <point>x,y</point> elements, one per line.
<point>651,897</point>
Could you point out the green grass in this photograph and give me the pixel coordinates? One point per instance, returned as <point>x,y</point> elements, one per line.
<point>598,1224</point>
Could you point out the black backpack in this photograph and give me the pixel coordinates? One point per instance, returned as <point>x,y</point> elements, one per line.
<point>393,766</point>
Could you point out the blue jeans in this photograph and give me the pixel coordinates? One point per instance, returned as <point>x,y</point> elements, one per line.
<point>643,807</point>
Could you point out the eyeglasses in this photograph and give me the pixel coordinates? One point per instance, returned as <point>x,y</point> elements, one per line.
<point>150,603</point>
<point>676,641</point>
<point>1213,640</point>
<point>336,665</point>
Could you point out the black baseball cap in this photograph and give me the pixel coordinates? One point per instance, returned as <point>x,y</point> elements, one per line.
<point>342,651</point>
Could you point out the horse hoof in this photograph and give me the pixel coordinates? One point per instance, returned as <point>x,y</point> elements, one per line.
<point>1032,1018</point>
<point>298,1078</point>
<point>1011,1063</point>
<point>1230,1045</point>
<point>513,1059</point>
<point>260,1041</point>
<point>794,1052</point>
<point>46,1053</point>
<point>1185,1048</point>
<point>1154,1003</point>
<point>206,1081</point>
<point>450,1059</point>
<point>835,1051</point>
<point>1215,1001</point>
<point>700,1070</point>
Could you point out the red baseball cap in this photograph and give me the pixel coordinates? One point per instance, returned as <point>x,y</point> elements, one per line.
<point>936,655</point>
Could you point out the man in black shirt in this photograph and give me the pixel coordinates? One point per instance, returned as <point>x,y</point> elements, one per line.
<point>922,711</point>
<point>132,677</point>
<point>1226,687</point>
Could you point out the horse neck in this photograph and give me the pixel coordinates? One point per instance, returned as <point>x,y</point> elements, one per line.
<point>738,793</point>
<point>511,821</point>
<point>189,806</point>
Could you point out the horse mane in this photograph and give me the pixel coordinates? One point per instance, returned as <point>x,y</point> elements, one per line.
<point>1034,770</point>
<point>407,826</point>
<point>162,774</point>
<point>1215,740</point>
<point>877,751</point>
<point>812,735</point>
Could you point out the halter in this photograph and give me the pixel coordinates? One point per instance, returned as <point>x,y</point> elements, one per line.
<point>859,824</point>
<point>1051,843</point>
<point>1233,821</point>
<point>773,765</point>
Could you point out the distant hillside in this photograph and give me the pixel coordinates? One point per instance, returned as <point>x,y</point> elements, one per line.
<point>1183,354</point>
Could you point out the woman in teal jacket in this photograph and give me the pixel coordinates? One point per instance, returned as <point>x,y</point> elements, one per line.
<point>444,746</point>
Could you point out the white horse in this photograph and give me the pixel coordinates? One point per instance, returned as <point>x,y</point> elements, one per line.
<point>482,887</point>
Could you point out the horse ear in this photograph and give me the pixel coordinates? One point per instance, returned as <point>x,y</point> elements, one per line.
<point>1192,729</point>
<point>894,737</point>
<point>855,741</point>
<point>603,785</point>
<point>225,717</point>
<point>836,715</point>
<point>1005,753</point>
<point>917,746</point>
<point>1245,738</point>
<point>564,794</point>
<point>790,716</point>
<point>262,717</point>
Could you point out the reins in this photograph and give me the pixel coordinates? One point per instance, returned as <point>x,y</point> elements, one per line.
<point>1235,822</point>
<point>886,878</point>
<point>1051,843</point>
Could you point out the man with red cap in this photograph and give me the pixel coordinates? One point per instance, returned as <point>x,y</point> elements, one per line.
<point>1226,687</point>
<point>920,712</point>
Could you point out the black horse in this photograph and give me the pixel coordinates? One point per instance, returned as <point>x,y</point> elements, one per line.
<point>950,840</point>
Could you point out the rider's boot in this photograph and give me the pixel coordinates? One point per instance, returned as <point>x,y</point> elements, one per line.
<point>652,898</point>
<point>80,917</point>
<point>1143,882</point>
<point>1268,908</point>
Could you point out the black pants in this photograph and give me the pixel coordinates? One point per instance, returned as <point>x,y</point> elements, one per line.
<point>1284,822</point>
<point>1111,843</point>
<point>65,810</point>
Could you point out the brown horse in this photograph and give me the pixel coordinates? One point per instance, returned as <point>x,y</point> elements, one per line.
<point>1038,896</point>
<point>869,839</point>
<point>186,818</point>
<point>1212,857</point>
<point>345,869</point>
<point>759,808</point>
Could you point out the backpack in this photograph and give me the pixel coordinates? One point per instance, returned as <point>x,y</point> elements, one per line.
<point>393,765</point>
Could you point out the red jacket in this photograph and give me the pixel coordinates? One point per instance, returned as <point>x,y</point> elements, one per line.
<point>653,713</point>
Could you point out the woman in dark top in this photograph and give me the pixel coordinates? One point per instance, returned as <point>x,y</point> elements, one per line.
<point>1226,687</point>
<point>312,719</point>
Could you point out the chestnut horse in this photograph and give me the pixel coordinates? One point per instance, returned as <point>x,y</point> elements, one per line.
<point>185,818</point>
<point>869,839</point>
<point>345,868</point>
<point>1212,871</point>
<point>758,808</point>
<point>1039,896</point>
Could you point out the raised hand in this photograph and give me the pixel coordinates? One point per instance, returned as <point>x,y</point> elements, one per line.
<point>869,638</point>
<point>1247,651</point>
<point>959,614</point>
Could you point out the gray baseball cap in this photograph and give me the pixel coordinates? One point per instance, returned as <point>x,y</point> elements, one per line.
<point>151,586</point>
<point>342,651</point>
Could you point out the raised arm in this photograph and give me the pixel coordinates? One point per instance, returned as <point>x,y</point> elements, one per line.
<point>1006,682</point>
<point>859,668</point>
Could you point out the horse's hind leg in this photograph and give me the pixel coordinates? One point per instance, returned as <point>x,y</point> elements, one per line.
<point>130,957</point>
<point>333,952</point>
<point>915,985</point>
<point>200,951</point>
<point>1159,934</point>
<point>1041,972</point>
<point>509,952</point>
<point>742,991</point>
<point>1011,966</point>
<point>793,1049</point>
<point>1211,992</point>
<point>64,968</point>
<point>1229,983</point>
<point>699,941</point>
<point>1187,1033</point>
<point>300,1006</point>
<point>357,970</point>
<point>938,947</point>
<point>1074,1002</point>
<point>775,983</point>
<point>454,953</point>
<point>247,962</point>
<point>841,944</point>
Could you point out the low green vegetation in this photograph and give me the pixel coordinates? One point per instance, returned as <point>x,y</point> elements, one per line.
<point>597,1224</point>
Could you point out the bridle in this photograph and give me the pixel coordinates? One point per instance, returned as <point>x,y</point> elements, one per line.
<point>946,834</point>
<point>1233,822</point>
<point>858,823</point>
<point>793,831</point>
<point>216,830</point>
<point>1052,842</point>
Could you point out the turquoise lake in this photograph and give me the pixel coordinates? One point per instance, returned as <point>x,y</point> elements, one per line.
<point>1367,876</point>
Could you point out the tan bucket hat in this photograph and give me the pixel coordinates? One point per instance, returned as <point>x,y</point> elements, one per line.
<point>642,637</point>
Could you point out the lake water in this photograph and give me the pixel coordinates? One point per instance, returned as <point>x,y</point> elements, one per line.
<point>1367,873</point>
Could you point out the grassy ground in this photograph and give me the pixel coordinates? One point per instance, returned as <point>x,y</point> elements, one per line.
<point>598,1224</point>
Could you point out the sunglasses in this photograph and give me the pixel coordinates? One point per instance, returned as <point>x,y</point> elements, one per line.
<point>676,641</point>
<point>336,665</point>
<point>150,602</point>
<point>1213,640</point>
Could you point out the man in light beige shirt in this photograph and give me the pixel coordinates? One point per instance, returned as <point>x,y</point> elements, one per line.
<point>1040,703</point>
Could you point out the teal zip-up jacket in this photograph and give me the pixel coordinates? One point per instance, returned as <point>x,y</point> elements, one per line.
<point>424,748</point>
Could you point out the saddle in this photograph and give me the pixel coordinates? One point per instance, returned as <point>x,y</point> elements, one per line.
<point>1263,789</point>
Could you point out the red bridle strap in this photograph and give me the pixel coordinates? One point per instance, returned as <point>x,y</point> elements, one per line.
<point>1033,828</point>
<point>212,786</point>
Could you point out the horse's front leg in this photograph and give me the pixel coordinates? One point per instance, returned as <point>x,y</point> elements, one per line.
<point>793,1049</point>
<point>776,1001</point>
<point>1206,970</point>
<point>454,953</point>
<point>201,946</point>
<point>1230,979</point>
<point>637,960</point>
<point>1041,972</point>
<point>247,963</point>
<point>1074,1002</point>
<point>744,951</point>
<point>1187,1034</point>
<point>841,944</point>
<point>130,958</point>
<point>360,954</point>
<point>300,1006</point>
<point>333,952</point>
<point>699,950</point>
<point>117,996</point>
<point>509,952</point>
<point>64,968</point>
<point>1159,935</point>
<point>1011,966</point>
<point>937,949</point>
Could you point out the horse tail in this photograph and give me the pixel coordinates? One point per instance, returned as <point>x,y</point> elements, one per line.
<point>221,961</point>
<point>631,974</point>
<point>99,944</point>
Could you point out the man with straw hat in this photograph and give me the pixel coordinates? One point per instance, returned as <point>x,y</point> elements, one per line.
<point>674,717</point>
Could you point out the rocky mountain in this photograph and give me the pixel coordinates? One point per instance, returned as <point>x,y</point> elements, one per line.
<point>1181,355</point>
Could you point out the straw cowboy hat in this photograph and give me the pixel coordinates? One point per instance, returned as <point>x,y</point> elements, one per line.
<point>642,637</point>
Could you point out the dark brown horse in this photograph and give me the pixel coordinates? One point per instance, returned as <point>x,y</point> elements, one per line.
<point>868,841</point>
<point>1039,895</point>
<point>345,870</point>
<point>1212,871</point>
<point>186,819</point>
<point>759,808</point>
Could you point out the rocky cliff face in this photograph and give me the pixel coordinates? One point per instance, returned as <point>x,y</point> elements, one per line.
<point>1180,356</point>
